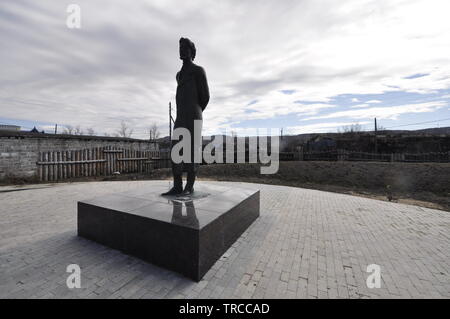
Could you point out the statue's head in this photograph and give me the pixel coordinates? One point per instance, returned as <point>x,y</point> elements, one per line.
<point>187,49</point>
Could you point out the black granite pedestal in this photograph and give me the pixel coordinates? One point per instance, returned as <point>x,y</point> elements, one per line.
<point>183,234</point>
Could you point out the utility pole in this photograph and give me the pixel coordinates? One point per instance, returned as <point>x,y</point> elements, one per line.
<point>56,128</point>
<point>376,146</point>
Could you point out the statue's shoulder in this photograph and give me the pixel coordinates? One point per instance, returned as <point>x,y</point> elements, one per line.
<point>198,69</point>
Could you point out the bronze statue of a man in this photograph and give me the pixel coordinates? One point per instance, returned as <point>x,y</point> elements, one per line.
<point>192,98</point>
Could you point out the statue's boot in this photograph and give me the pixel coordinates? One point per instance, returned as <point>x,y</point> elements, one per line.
<point>177,186</point>
<point>189,188</point>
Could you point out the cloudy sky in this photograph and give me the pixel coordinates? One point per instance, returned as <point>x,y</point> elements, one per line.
<point>303,65</point>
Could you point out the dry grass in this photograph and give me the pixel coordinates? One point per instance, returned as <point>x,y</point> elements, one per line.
<point>422,184</point>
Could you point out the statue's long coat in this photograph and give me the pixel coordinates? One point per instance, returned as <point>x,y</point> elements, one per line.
<point>192,98</point>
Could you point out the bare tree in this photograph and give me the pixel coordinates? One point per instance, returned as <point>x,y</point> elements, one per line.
<point>68,129</point>
<point>124,130</point>
<point>78,130</point>
<point>153,132</point>
<point>354,128</point>
<point>90,131</point>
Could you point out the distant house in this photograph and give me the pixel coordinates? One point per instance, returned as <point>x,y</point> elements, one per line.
<point>7,127</point>
<point>34,130</point>
<point>321,143</point>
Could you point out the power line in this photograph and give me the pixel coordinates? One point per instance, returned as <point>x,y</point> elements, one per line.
<point>420,123</point>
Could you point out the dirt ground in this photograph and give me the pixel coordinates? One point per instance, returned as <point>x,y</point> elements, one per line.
<point>421,184</point>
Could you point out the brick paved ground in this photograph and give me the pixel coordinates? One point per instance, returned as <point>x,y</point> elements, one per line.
<point>306,244</point>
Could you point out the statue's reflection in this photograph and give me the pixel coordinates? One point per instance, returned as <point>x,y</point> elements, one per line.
<point>184,213</point>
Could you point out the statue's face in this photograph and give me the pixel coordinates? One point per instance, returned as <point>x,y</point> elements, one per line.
<point>185,51</point>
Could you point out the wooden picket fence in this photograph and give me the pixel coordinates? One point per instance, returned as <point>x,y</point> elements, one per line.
<point>99,161</point>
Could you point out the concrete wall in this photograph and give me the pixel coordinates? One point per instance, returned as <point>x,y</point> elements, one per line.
<point>19,151</point>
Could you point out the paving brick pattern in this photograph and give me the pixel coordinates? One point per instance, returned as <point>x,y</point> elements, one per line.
<point>305,244</point>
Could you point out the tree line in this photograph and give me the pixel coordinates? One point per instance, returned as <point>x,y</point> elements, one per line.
<point>123,131</point>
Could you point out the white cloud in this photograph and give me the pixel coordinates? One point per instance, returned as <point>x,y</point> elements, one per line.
<point>122,63</point>
<point>390,112</point>
<point>373,102</point>
<point>359,106</point>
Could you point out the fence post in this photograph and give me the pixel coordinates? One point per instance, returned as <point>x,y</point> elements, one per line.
<point>40,167</point>
<point>51,166</point>
<point>108,161</point>
<point>47,167</point>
